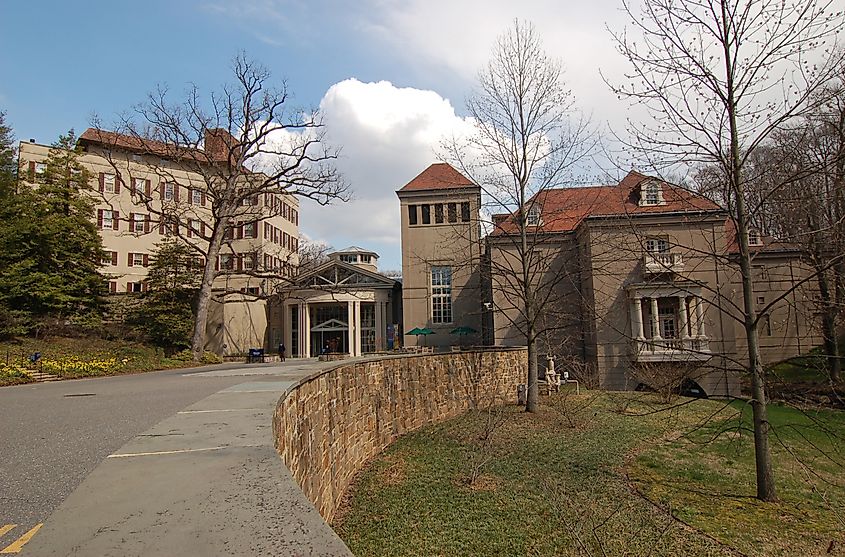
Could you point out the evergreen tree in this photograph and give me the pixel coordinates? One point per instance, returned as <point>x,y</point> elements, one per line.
<point>166,314</point>
<point>50,250</point>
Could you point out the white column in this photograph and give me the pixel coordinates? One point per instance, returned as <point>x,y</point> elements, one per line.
<point>358,328</point>
<point>655,324</point>
<point>305,330</point>
<point>699,316</point>
<point>381,330</point>
<point>637,319</point>
<point>682,316</point>
<point>350,318</point>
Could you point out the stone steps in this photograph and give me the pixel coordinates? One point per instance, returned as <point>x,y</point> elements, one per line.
<point>41,377</point>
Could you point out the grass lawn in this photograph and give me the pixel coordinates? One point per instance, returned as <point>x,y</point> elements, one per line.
<point>81,357</point>
<point>622,481</point>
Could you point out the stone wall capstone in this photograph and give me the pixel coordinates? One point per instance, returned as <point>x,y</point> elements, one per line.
<point>330,424</point>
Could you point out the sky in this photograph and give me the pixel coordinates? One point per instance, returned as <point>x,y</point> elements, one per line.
<point>390,77</point>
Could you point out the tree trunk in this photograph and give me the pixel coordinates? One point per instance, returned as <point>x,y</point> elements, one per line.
<point>762,452</point>
<point>198,339</point>
<point>533,398</point>
<point>829,334</point>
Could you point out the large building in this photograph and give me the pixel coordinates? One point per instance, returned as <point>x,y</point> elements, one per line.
<point>146,191</point>
<point>635,279</point>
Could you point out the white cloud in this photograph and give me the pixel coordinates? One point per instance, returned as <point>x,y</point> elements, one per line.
<point>460,36</point>
<point>388,135</point>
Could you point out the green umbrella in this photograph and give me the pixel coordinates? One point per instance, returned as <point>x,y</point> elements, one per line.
<point>416,331</point>
<point>462,331</point>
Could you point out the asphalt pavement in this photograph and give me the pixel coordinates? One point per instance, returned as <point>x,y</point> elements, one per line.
<point>178,462</point>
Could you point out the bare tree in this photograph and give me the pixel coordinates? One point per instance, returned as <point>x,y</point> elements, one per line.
<point>242,150</point>
<point>528,138</point>
<point>717,77</point>
<point>807,160</point>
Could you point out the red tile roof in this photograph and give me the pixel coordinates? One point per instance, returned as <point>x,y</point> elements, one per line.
<point>438,176</point>
<point>562,210</point>
<point>165,150</point>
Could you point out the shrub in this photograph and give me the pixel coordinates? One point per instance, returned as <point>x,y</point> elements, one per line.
<point>211,358</point>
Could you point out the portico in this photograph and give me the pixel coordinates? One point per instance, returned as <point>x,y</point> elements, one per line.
<point>338,308</point>
<point>668,322</point>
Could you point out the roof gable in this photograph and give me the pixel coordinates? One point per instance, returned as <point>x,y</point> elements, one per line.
<point>337,275</point>
<point>438,176</point>
<point>564,209</point>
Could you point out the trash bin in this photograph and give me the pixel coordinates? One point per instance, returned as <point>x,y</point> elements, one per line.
<point>521,394</point>
<point>255,355</point>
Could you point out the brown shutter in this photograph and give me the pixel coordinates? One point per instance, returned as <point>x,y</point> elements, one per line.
<point>176,193</point>
<point>255,230</point>
<point>102,182</point>
<point>132,189</point>
<point>161,190</point>
<point>32,170</point>
<point>146,224</point>
<point>217,263</point>
<point>117,182</point>
<point>100,219</point>
<point>146,260</point>
<point>202,200</point>
<point>115,220</point>
<point>240,262</point>
<point>148,188</point>
<point>129,259</point>
<point>161,225</point>
<point>240,230</point>
<point>190,228</point>
<point>113,286</point>
<point>131,222</point>
<point>128,287</point>
<point>114,258</point>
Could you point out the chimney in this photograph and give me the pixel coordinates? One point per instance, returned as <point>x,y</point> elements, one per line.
<point>217,144</point>
<point>32,140</point>
<point>498,220</point>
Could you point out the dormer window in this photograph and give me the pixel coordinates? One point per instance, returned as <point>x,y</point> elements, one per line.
<point>533,216</point>
<point>651,193</point>
<point>754,238</point>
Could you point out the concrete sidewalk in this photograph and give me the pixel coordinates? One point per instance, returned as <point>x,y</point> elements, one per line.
<point>205,481</point>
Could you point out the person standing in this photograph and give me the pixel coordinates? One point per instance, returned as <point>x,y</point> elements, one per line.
<point>282,351</point>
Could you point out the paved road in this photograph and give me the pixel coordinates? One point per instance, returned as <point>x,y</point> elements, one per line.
<point>53,436</point>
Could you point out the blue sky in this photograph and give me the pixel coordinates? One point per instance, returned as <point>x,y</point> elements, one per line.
<point>391,76</point>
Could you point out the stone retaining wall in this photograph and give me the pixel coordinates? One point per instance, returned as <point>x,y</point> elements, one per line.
<point>329,425</point>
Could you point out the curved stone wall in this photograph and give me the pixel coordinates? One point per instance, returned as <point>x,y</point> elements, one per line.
<point>330,424</point>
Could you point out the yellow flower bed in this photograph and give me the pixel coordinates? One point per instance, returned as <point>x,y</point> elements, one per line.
<point>72,365</point>
<point>13,370</point>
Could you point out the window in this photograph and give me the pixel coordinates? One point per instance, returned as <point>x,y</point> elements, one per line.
<point>109,258</point>
<point>533,216</point>
<point>426,214</point>
<point>196,197</point>
<point>349,258</point>
<point>249,230</point>
<point>248,261</point>
<point>412,214</point>
<point>766,325</point>
<point>666,316</point>
<point>136,222</point>
<point>754,238</point>
<point>438,213</point>
<point>366,259</point>
<point>465,211</point>
<point>139,186</point>
<point>108,219</point>
<point>138,260</point>
<point>452,212</point>
<point>441,294</point>
<point>40,167</point>
<point>651,193</point>
<point>253,290</point>
<point>761,300</point>
<point>109,183</point>
<point>226,262</point>
<point>134,287</point>
<point>657,245</point>
<point>169,192</point>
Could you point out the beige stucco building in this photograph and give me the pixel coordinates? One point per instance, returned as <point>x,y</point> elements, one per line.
<point>344,306</point>
<point>145,192</point>
<point>442,253</point>
<point>635,279</point>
